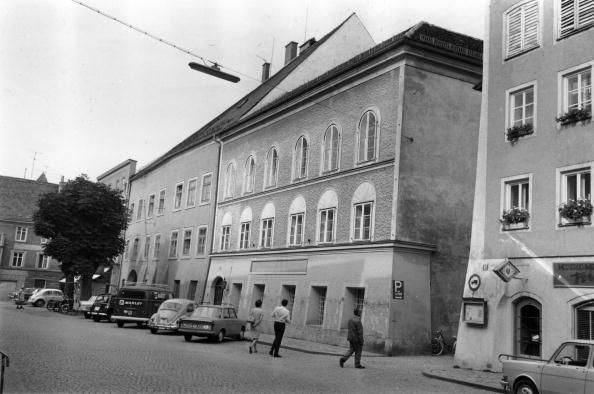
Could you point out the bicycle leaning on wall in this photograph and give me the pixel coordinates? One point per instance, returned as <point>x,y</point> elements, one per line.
<point>440,344</point>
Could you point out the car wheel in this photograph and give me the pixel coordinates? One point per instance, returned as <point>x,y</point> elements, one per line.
<point>154,330</point>
<point>188,337</point>
<point>39,303</point>
<point>139,324</point>
<point>221,336</point>
<point>436,347</point>
<point>120,323</point>
<point>87,316</point>
<point>525,387</point>
<point>96,318</point>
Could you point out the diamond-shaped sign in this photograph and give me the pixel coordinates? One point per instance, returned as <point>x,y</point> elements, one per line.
<point>506,270</point>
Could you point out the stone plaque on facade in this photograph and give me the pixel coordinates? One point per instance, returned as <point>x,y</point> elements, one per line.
<point>573,274</point>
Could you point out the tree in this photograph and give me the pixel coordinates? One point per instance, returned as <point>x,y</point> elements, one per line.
<point>84,223</point>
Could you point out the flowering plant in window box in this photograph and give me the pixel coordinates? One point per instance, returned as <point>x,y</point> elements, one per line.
<point>515,218</point>
<point>573,116</point>
<point>515,132</point>
<point>576,211</point>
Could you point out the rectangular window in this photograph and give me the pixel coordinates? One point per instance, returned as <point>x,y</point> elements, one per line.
<point>515,202</point>
<point>517,194</point>
<point>179,191</point>
<point>157,246</point>
<point>135,246</point>
<point>21,234</point>
<point>577,90</point>
<point>317,306</point>
<point>353,299</point>
<point>42,261</point>
<point>575,196</point>
<point>161,207</point>
<point>39,283</point>
<point>266,233</point>
<point>173,244</point>
<point>244,236</point>
<point>521,107</point>
<point>192,289</point>
<point>176,285</point>
<point>362,230</point>
<point>17,259</point>
<point>522,24</point>
<point>225,237</point>
<point>140,209</point>
<point>191,199</point>
<point>147,247</point>
<point>131,211</point>
<point>151,206</point>
<point>296,231</point>
<point>127,249</point>
<point>326,231</point>
<point>201,246</point>
<point>206,186</point>
<point>574,15</point>
<point>576,185</point>
<point>187,242</point>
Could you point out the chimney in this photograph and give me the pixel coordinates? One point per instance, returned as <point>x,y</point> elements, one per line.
<point>306,45</point>
<point>265,71</point>
<point>290,52</point>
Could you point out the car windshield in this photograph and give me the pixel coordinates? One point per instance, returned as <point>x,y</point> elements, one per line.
<point>171,305</point>
<point>207,311</point>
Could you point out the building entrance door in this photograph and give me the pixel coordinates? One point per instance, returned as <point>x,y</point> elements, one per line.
<point>528,328</point>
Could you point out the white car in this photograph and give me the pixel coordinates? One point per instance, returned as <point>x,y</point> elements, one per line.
<point>85,306</point>
<point>41,297</point>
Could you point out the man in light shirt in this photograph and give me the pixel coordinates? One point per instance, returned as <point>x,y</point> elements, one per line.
<point>281,317</point>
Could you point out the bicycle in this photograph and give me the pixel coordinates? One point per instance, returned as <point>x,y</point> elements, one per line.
<point>439,344</point>
<point>67,305</point>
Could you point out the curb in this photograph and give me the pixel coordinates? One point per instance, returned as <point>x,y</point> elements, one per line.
<point>318,352</point>
<point>462,382</point>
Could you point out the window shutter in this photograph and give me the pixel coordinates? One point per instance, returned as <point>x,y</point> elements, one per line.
<point>523,28</point>
<point>514,32</point>
<point>567,17</point>
<point>531,25</point>
<point>585,12</point>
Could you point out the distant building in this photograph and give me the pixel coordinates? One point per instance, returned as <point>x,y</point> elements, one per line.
<point>530,282</point>
<point>22,262</point>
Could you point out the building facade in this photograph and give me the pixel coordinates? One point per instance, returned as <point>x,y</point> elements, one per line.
<point>529,281</point>
<point>22,262</point>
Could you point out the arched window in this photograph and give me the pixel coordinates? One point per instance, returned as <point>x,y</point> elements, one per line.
<point>528,327</point>
<point>250,171</point>
<point>267,226</point>
<point>271,170</point>
<point>300,159</point>
<point>331,151</point>
<point>363,212</point>
<point>245,221</point>
<point>296,222</point>
<point>368,137</point>
<point>230,181</point>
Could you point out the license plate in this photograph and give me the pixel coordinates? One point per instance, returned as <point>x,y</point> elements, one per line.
<point>127,312</point>
<point>96,308</point>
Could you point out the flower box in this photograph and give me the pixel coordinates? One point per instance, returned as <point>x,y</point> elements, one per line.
<point>574,116</point>
<point>514,218</point>
<point>516,132</point>
<point>575,212</point>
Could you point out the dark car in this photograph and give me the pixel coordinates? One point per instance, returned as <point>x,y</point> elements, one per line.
<point>212,321</point>
<point>102,309</point>
<point>137,303</point>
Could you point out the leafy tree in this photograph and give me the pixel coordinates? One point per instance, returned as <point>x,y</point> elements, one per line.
<point>84,224</point>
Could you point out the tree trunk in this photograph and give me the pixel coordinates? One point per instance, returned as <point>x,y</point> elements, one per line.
<point>86,286</point>
<point>69,286</point>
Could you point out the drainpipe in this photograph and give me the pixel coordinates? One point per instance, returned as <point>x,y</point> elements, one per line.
<point>214,217</point>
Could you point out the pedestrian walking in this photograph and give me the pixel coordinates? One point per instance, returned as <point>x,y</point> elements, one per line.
<point>256,317</point>
<point>281,317</point>
<point>355,338</point>
<point>21,298</point>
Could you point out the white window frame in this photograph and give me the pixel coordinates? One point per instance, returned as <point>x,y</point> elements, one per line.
<point>266,233</point>
<point>225,237</point>
<point>178,196</point>
<point>20,234</point>
<point>528,39</point>
<point>576,25</point>
<point>301,158</point>
<point>354,228</point>
<point>20,259</point>
<point>140,211</point>
<point>271,168</point>
<point>510,102</point>
<point>293,235</point>
<point>147,247</point>
<point>323,226</point>
<point>191,195</point>
<point>173,244</point>
<point>43,261</point>
<point>506,186</point>
<point>135,249</point>
<point>184,239</point>
<point>156,246</point>
<point>249,180</point>
<point>245,235</point>
<point>204,201</point>
<point>127,249</point>
<point>202,252</point>
<point>563,105</point>
<point>330,148</point>
<point>161,207</point>
<point>365,139</point>
<point>229,181</point>
<point>561,181</point>
<point>150,209</point>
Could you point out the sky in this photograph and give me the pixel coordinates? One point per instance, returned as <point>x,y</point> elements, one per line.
<point>81,93</point>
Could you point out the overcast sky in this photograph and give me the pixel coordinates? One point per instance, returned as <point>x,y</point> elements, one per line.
<point>81,93</point>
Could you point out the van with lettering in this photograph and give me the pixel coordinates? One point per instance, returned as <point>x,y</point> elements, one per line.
<point>136,303</point>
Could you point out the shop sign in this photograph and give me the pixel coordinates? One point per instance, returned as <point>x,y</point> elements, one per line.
<point>573,274</point>
<point>398,289</point>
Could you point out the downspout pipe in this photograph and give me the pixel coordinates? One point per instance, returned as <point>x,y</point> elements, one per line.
<point>214,216</point>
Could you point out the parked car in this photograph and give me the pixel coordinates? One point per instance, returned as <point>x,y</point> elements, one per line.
<point>137,303</point>
<point>212,321</point>
<point>102,308</point>
<point>568,371</point>
<point>169,313</point>
<point>29,291</point>
<point>85,306</point>
<point>41,297</point>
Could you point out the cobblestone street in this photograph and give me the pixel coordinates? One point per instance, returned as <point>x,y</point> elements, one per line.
<point>53,352</point>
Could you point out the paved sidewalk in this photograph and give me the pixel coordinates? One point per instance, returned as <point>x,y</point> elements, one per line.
<point>439,367</point>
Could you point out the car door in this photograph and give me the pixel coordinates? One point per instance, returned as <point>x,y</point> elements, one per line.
<point>566,371</point>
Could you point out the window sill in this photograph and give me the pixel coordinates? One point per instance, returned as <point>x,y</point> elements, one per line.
<point>575,31</point>
<point>584,221</point>
<point>523,52</point>
<point>515,226</point>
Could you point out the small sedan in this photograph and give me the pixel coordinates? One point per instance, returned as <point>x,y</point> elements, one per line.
<point>568,371</point>
<point>102,308</point>
<point>213,321</point>
<point>169,313</point>
<point>85,306</point>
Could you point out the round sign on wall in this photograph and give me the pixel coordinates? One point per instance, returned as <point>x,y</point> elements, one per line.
<point>474,282</point>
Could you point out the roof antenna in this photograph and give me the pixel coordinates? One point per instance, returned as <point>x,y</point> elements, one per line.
<point>306,15</point>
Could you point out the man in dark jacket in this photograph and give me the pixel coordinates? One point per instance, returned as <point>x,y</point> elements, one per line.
<point>355,338</point>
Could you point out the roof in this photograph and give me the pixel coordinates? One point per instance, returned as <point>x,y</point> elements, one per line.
<point>422,34</point>
<point>18,197</point>
<point>116,168</point>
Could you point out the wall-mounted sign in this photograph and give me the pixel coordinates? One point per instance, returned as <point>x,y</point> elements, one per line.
<point>573,274</point>
<point>398,289</point>
<point>474,282</point>
<point>474,311</point>
<point>506,270</point>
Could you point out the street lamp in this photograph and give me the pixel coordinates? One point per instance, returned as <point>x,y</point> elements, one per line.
<point>213,70</point>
